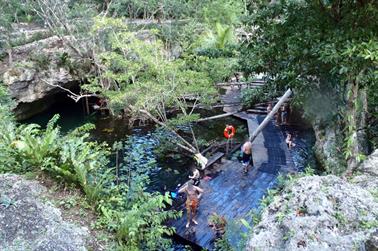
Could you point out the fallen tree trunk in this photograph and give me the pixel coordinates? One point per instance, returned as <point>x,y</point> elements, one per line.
<point>217,116</point>
<point>270,115</point>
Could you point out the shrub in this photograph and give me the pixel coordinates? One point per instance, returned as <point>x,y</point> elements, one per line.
<point>251,97</point>
<point>42,60</point>
<point>254,96</point>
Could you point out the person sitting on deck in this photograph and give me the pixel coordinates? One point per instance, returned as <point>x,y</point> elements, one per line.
<point>269,108</point>
<point>193,194</point>
<point>195,177</point>
<point>284,114</point>
<point>247,155</point>
<point>289,141</point>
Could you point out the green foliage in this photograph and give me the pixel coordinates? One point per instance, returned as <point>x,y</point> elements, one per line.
<point>138,66</point>
<point>222,244</point>
<point>218,69</point>
<point>340,218</point>
<point>254,96</point>
<point>137,70</point>
<point>369,224</point>
<point>268,198</point>
<point>220,38</point>
<point>64,60</point>
<point>226,12</point>
<point>41,60</point>
<point>15,11</point>
<point>136,216</point>
<point>322,50</point>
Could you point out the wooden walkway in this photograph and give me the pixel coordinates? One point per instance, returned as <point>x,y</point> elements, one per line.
<point>233,194</point>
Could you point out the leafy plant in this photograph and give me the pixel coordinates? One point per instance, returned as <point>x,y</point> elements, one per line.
<point>42,60</point>
<point>126,208</point>
<point>340,218</point>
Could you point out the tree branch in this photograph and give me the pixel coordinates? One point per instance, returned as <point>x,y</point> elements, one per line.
<point>190,148</point>
<point>74,96</point>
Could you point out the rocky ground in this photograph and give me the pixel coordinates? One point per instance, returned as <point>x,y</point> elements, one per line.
<point>323,213</point>
<point>34,217</point>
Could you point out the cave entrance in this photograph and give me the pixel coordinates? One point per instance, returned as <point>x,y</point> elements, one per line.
<point>72,114</point>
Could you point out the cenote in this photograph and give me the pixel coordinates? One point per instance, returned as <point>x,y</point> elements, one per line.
<point>166,172</point>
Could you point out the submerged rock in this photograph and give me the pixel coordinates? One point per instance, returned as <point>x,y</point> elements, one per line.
<point>29,223</point>
<point>320,213</point>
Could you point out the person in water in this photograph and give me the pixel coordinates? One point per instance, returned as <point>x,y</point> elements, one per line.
<point>193,194</point>
<point>195,177</point>
<point>247,155</point>
<point>289,141</point>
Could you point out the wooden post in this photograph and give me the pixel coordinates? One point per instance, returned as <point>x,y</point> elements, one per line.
<point>117,166</point>
<point>270,115</point>
<point>87,105</point>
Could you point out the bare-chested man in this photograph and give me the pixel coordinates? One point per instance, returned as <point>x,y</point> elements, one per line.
<point>193,194</point>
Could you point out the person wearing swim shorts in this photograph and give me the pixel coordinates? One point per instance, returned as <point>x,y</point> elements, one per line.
<point>193,194</point>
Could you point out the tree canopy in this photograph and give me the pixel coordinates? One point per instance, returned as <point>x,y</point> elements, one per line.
<point>326,51</point>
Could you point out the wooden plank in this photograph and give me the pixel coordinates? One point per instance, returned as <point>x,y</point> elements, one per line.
<point>213,159</point>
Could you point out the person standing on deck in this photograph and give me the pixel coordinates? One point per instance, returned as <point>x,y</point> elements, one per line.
<point>193,194</point>
<point>247,155</point>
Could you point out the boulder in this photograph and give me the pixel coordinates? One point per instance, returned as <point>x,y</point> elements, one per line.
<point>318,213</point>
<point>367,173</point>
<point>27,222</point>
<point>327,147</point>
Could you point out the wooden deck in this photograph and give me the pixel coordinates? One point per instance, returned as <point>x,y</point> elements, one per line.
<point>233,194</point>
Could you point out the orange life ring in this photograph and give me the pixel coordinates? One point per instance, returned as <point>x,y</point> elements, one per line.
<point>229,132</point>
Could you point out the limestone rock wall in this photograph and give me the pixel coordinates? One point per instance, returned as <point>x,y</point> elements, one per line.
<point>29,223</point>
<point>323,213</point>
<point>34,64</point>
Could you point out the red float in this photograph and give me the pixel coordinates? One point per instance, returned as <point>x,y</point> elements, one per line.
<point>229,132</point>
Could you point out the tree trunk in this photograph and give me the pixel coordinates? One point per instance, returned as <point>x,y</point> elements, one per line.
<point>10,57</point>
<point>9,49</point>
<point>270,115</point>
<point>357,142</point>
